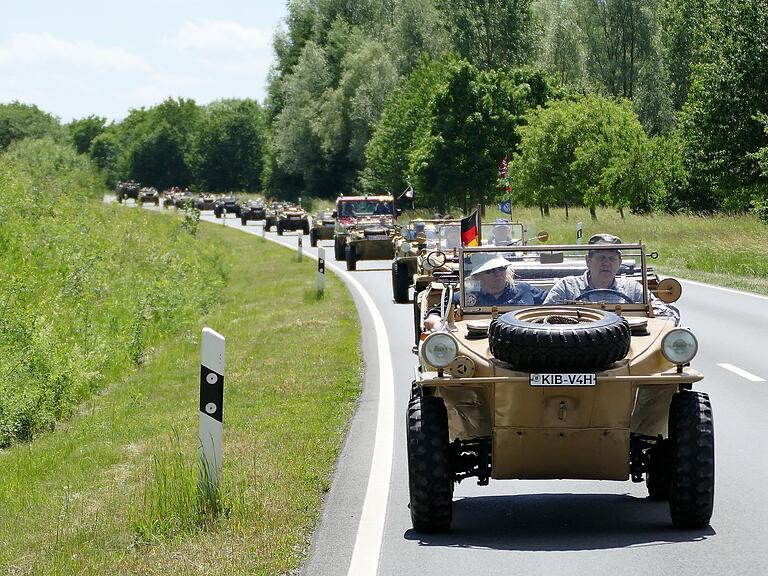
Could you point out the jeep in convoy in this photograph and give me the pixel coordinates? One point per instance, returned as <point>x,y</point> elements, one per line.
<point>411,244</point>
<point>149,194</point>
<point>590,386</point>
<point>183,199</point>
<point>292,217</point>
<point>270,214</point>
<point>252,210</point>
<point>226,205</point>
<point>128,189</point>
<point>323,224</point>
<point>361,212</point>
<point>204,201</point>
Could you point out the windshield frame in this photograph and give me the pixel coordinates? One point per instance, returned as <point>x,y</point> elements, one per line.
<point>532,255</point>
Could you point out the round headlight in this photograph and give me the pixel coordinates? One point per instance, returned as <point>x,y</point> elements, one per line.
<point>405,247</point>
<point>439,349</point>
<point>679,346</point>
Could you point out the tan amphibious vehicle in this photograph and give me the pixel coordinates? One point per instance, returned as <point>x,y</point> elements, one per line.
<point>593,386</point>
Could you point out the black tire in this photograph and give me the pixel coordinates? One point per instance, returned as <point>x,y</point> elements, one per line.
<point>351,256</point>
<point>541,347</point>
<point>692,456</point>
<point>217,214</point>
<point>338,249</point>
<point>400,282</point>
<point>313,238</point>
<point>657,478</point>
<point>430,478</point>
<point>279,229</point>
<point>243,221</point>
<point>157,201</point>
<point>305,228</point>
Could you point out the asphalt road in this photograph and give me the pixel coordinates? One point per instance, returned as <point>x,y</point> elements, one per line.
<point>544,527</point>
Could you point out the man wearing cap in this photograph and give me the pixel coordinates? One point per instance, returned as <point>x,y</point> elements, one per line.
<point>602,266</point>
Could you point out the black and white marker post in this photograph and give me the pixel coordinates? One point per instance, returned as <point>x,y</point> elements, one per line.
<point>579,226</point>
<point>211,404</point>
<point>320,271</point>
<point>301,245</point>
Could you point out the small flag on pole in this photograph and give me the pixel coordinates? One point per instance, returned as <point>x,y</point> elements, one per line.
<point>470,230</point>
<point>505,207</point>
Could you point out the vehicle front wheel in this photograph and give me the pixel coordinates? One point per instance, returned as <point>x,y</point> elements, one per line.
<point>351,254</point>
<point>338,248</point>
<point>400,282</point>
<point>305,229</point>
<point>430,479</point>
<point>279,229</point>
<point>313,238</point>
<point>692,452</point>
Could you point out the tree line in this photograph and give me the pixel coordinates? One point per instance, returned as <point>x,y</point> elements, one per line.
<point>630,104</point>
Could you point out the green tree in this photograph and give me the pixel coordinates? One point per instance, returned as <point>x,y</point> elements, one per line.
<point>720,119</point>
<point>489,34</point>
<point>82,132</point>
<point>105,152</point>
<point>617,37</point>
<point>406,118</point>
<point>227,150</point>
<point>682,33</point>
<point>296,146</point>
<point>560,49</point>
<point>351,110</point>
<point>593,152</point>
<point>473,125</point>
<point>158,158</point>
<point>19,121</point>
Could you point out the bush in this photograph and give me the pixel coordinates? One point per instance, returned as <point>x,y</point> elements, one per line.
<point>86,289</point>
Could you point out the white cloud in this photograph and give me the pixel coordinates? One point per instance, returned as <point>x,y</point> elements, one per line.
<point>221,35</point>
<point>30,49</point>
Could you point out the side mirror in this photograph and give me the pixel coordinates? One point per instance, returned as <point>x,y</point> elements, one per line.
<point>668,290</point>
<point>335,214</point>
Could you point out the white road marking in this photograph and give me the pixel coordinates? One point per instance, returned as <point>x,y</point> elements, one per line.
<point>731,290</point>
<point>743,373</point>
<point>370,531</point>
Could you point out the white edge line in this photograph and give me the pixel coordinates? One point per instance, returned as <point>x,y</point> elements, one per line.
<point>740,372</point>
<point>721,288</point>
<point>365,555</point>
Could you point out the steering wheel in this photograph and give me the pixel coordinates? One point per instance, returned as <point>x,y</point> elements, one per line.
<point>436,259</point>
<point>584,295</point>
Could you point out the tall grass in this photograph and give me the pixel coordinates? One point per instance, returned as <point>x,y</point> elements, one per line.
<point>114,488</point>
<point>85,288</point>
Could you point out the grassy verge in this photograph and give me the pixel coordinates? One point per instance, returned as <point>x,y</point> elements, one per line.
<point>724,250</point>
<point>113,489</point>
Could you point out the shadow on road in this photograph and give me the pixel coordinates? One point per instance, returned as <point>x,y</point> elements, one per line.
<point>559,522</point>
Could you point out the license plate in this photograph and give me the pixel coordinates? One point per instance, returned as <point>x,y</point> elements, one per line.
<point>378,237</point>
<point>562,379</point>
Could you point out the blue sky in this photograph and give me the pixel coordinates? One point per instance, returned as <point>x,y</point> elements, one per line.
<point>74,58</point>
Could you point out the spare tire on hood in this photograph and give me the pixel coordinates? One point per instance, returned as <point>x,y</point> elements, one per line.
<point>553,340</point>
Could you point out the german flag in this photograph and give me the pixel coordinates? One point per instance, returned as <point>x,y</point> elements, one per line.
<point>470,228</point>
